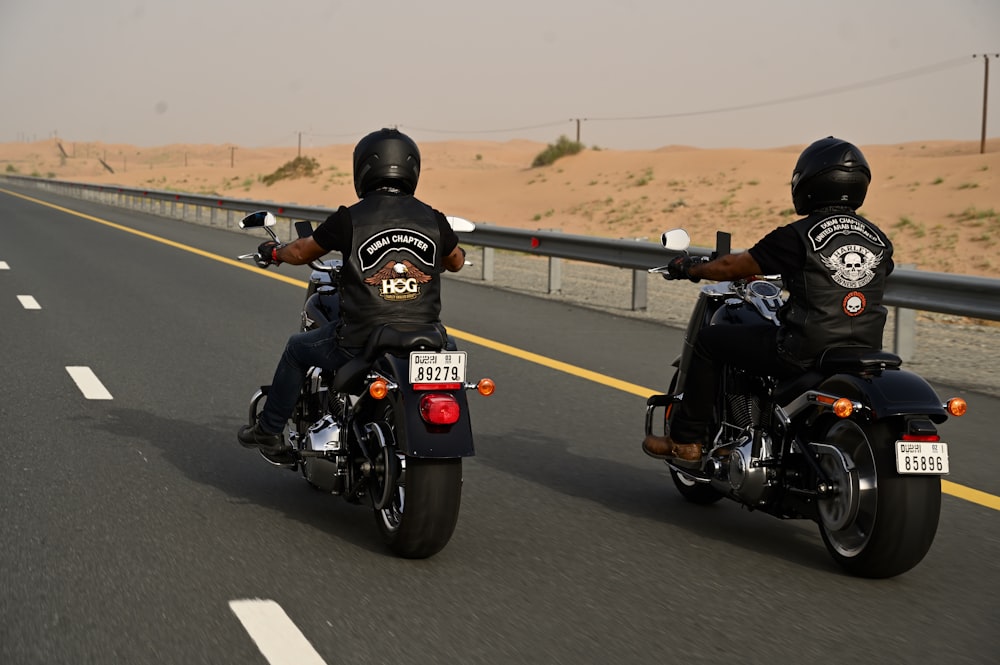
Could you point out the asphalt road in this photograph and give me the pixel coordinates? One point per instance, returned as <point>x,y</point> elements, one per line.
<point>136,530</point>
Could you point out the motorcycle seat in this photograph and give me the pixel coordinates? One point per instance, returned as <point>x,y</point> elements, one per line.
<point>395,338</point>
<point>836,360</point>
<point>857,360</point>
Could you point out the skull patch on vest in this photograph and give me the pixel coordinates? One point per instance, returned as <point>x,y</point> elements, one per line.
<point>854,303</point>
<point>852,266</point>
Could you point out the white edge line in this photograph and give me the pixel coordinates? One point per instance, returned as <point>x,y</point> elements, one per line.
<point>29,302</point>
<point>88,383</point>
<point>278,639</point>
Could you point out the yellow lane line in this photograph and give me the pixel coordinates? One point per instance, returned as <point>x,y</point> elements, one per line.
<point>164,241</point>
<point>954,489</point>
<point>970,495</point>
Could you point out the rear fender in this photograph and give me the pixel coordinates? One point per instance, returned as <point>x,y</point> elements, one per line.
<point>414,437</point>
<point>890,393</point>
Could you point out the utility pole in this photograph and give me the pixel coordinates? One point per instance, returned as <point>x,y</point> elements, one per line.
<point>578,121</point>
<point>986,90</point>
<point>300,144</point>
<point>232,156</point>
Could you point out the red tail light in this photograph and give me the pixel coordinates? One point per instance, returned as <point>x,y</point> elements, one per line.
<point>439,409</point>
<point>921,437</point>
<point>421,387</point>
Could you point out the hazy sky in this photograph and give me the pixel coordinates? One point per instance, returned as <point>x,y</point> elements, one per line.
<point>259,72</point>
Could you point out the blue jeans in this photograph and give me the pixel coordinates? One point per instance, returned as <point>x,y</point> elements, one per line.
<point>314,348</point>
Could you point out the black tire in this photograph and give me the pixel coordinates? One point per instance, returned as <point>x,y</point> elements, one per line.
<point>419,508</point>
<point>700,493</point>
<point>880,524</point>
<point>422,515</point>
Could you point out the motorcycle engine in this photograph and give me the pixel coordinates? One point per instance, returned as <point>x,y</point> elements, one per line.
<point>748,478</point>
<point>323,460</point>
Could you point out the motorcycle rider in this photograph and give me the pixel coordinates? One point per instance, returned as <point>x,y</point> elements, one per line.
<point>834,264</point>
<point>395,248</point>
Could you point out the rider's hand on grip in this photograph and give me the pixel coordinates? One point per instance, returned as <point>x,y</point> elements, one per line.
<point>265,254</point>
<point>680,267</point>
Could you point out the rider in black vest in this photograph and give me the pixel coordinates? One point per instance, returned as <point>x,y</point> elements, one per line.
<point>395,248</point>
<point>834,264</point>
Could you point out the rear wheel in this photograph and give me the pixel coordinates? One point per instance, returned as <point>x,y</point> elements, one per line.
<point>416,500</point>
<point>423,511</point>
<point>877,523</point>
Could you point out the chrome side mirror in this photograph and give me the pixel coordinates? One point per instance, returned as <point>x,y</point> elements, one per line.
<point>676,240</point>
<point>258,220</point>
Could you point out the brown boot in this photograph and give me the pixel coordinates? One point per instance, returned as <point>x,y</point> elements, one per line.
<point>663,447</point>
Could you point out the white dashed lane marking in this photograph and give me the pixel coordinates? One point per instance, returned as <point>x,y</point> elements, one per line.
<point>278,639</point>
<point>28,302</point>
<point>88,383</point>
<point>4,266</point>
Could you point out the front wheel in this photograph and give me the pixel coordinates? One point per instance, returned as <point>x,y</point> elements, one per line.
<point>422,511</point>
<point>876,524</point>
<point>699,493</point>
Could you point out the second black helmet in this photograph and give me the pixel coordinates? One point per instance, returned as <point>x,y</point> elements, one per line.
<point>830,172</point>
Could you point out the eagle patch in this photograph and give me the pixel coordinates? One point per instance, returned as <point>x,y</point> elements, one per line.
<point>398,280</point>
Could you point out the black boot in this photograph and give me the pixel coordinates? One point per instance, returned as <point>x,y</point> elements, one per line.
<point>272,447</point>
<point>252,436</point>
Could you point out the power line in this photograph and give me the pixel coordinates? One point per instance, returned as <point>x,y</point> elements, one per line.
<point>920,71</point>
<point>486,131</point>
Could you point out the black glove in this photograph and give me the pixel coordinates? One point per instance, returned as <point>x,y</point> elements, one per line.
<point>680,267</point>
<point>265,254</point>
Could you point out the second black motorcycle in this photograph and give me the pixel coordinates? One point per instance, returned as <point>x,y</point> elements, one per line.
<point>851,444</point>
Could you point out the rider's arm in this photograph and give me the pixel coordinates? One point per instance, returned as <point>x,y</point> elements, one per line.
<point>455,258</point>
<point>729,266</point>
<point>454,261</point>
<point>299,252</point>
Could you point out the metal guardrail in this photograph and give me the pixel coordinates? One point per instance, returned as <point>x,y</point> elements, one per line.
<point>961,295</point>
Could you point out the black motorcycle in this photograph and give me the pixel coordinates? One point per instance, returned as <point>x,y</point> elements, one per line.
<point>851,444</point>
<point>389,428</point>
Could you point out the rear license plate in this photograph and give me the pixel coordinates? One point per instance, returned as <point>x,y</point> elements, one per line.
<point>921,457</point>
<point>437,367</point>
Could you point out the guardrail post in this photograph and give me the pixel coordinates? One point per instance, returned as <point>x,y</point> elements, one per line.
<point>905,332</point>
<point>489,262</point>
<point>640,282</point>
<point>555,274</point>
<point>555,269</point>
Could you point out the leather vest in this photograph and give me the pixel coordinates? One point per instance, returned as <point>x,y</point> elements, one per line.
<point>836,300</point>
<point>393,271</point>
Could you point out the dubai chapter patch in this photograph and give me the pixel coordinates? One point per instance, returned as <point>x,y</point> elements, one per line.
<point>397,280</point>
<point>372,251</point>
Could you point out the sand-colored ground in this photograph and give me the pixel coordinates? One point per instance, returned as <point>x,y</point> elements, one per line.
<point>939,201</point>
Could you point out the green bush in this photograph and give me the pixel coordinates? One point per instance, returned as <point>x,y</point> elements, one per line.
<point>300,167</point>
<point>554,151</point>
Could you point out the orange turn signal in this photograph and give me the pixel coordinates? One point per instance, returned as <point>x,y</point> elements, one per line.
<point>378,389</point>
<point>956,406</point>
<point>843,407</point>
<point>486,387</point>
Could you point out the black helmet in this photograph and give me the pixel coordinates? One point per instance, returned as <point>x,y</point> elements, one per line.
<point>386,157</point>
<point>830,172</point>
